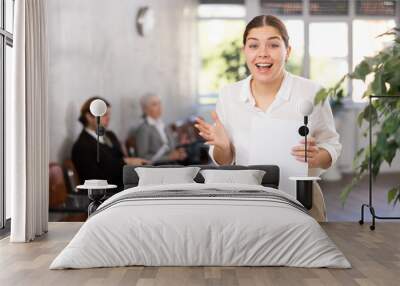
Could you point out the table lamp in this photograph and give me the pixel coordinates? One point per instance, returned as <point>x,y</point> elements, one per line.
<point>304,184</point>
<point>98,108</point>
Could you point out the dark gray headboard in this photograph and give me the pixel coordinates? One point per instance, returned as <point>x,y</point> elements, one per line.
<point>270,179</point>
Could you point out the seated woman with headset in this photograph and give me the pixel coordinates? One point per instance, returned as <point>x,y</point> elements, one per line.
<point>270,92</point>
<point>112,157</point>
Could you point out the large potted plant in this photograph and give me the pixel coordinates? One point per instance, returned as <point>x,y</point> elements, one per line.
<point>385,114</point>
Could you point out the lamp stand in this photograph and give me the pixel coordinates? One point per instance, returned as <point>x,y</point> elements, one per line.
<point>304,185</point>
<point>305,137</point>
<point>97,132</point>
<point>369,205</point>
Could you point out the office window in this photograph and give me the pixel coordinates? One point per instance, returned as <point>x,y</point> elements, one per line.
<point>367,43</point>
<point>296,40</point>
<point>376,7</point>
<point>328,52</point>
<point>6,43</point>
<point>282,7</point>
<point>329,7</point>
<point>220,30</point>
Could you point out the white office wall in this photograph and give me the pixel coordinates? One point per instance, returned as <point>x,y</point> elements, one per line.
<point>94,49</point>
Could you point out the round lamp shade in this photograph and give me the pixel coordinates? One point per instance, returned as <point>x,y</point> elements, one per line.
<point>98,107</point>
<point>305,107</point>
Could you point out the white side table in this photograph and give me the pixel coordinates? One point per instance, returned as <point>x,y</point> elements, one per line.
<point>96,195</point>
<point>304,191</point>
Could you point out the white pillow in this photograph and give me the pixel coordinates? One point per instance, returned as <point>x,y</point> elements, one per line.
<point>248,177</point>
<point>163,176</point>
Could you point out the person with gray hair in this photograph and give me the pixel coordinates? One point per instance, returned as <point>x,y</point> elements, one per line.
<point>154,141</point>
<point>146,100</point>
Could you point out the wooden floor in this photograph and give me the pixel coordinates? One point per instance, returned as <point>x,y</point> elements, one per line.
<point>374,255</point>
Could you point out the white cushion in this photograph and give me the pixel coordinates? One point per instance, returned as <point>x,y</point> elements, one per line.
<point>163,176</point>
<point>248,177</point>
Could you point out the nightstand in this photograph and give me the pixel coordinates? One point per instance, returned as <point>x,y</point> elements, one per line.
<point>304,191</point>
<point>96,193</point>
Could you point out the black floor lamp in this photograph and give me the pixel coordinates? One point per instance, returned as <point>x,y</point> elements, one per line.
<point>304,185</point>
<point>98,108</point>
<point>369,205</point>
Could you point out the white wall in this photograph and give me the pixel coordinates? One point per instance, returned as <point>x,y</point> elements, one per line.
<point>94,49</point>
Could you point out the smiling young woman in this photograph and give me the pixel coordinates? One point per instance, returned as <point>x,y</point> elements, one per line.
<point>266,49</point>
<point>270,92</point>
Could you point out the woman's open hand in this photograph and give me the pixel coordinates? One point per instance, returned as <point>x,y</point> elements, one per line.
<point>135,161</point>
<point>312,152</point>
<point>178,154</point>
<point>213,134</point>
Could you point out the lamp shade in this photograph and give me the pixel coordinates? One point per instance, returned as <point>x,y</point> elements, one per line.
<point>98,107</point>
<point>305,107</point>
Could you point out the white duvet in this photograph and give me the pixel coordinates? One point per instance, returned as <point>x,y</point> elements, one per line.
<point>200,231</point>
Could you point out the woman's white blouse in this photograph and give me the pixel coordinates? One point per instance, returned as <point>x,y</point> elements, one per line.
<point>236,109</point>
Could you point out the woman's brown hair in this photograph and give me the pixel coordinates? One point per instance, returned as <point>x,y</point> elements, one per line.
<point>86,109</point>
<point>267,20</point>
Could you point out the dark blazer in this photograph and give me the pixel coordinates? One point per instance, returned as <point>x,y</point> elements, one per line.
<point>84,157</point>
<point>148,141</point>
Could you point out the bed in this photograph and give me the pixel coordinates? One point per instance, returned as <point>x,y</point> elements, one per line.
<point>198,224</point>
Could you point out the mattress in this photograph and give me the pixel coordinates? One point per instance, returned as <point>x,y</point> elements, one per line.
<point>201,225</point>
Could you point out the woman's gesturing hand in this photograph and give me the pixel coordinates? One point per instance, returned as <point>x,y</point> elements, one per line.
<point>213,134</point>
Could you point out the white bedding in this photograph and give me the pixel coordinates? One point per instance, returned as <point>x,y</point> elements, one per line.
<point>184,231</point>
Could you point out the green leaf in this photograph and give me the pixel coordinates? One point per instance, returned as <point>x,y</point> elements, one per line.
<point>390,125</point>
<point>397,136</point>
<point>372,61</point>
<point>345,193</point>
<point>368,111</point>
<point>361,70</point>
<point>393,32</point>
<point>360,118</point>
<point>359,152</point>
<point>378,85</point>
<point>393,193</point>
<point>390,152</point>
<point>321,96</point>
<point>368,92</point>
<point>397,199</point>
